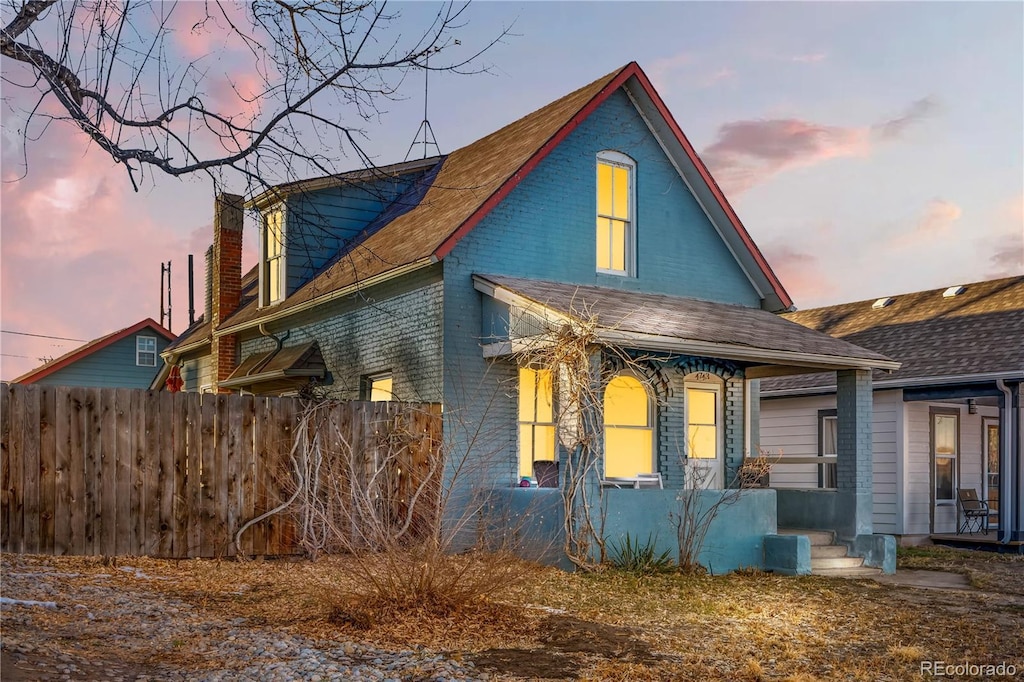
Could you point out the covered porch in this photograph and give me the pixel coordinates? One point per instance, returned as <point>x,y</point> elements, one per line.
<point>686,346</point>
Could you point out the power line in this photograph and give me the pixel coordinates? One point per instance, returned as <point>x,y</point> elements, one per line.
<point>40,336</point>
<point>11,355</point>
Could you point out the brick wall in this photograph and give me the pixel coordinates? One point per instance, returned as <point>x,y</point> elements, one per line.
<point>227,278</point>
<point>394,327</point>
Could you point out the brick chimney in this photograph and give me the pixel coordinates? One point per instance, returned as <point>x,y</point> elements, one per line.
<point>227,280</point>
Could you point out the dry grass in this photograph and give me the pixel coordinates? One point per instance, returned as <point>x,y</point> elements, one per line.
<point>736,627</point>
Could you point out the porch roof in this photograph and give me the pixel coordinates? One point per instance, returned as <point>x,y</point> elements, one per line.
<point>682,325</point>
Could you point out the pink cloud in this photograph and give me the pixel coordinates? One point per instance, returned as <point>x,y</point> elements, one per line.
<point>1007,258</point>
<point>936,222</point>
<point>748,153</point>
<point>812,58</point>
<point>801,273</point>
<point>661,70</point>
<point>723,74</point>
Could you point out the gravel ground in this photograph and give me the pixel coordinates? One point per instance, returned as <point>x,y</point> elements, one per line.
<point>61,626</point>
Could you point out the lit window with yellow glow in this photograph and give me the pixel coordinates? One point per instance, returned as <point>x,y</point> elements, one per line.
<point>628,435</point>
<point>702,423</point>
<point>272,270</point>
<point>381,388</point>
<point>615,236</point>
<point>536,419</point>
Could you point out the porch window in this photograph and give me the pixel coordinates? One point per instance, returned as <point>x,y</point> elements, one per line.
<point>702,423</point>
<point>536,419</point>
<point>615,221</point>
<point>945,450</point>
<point>828,445</point>
<point>272,258</point>
<point>628,434</point>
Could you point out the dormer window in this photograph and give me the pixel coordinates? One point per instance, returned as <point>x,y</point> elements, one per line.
<point>616,232</point>
<point>272,272</point>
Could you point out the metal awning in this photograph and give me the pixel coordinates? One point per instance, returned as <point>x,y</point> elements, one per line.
<point>278,370</point>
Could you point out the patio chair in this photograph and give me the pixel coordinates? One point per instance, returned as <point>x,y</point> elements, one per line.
<point>974,510</point>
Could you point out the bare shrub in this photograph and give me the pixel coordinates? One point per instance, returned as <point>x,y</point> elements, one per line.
<point>693,519</point>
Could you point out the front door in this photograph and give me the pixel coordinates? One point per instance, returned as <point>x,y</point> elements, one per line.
<point>990,428</point>
<point>704,432</point>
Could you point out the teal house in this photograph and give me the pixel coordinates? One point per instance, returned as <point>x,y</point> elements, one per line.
<point>127,358</point>
<point>432,280</point>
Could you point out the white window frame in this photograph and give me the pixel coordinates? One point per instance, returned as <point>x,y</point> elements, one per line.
<point>140,351</point>
<point>652,420</point>
<point>717,388</point>
<point>827,472</point>
<point>266,299</point>
<point>613,158</point>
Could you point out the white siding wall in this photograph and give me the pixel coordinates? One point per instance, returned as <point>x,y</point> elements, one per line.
<point>790,427</point>
<point>888,407</point>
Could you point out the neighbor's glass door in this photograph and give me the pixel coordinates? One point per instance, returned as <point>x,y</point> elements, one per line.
<point>991,430</point>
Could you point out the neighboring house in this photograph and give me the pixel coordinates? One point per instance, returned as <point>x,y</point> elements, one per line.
<point>129,358</point>
<point>420,280</point>
<point>949,418</point>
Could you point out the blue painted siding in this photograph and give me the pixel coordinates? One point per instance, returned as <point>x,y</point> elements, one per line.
<point>113,366</point>
<point>318,224</point>
<point>545,229</point>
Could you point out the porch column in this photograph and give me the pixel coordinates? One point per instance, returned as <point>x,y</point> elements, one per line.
<point>854,411</point>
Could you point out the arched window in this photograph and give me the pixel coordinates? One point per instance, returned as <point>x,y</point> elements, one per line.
<point>616,223</point>
<point>628,433</point>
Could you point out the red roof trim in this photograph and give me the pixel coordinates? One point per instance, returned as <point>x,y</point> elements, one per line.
<point>631,69</point>
<point>90,348</point>
<point>499,194</point>
<point>755,252</point>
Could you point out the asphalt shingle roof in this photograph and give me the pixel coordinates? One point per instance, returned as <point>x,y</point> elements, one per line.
<point>977,332</point>
<point>682,318</point>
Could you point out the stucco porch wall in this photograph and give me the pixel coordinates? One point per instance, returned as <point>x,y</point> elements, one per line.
<point>530,520</point>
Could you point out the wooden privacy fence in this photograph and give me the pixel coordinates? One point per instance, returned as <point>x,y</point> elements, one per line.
<point>102,471</point>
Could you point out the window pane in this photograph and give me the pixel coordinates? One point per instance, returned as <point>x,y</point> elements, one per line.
<point>945,434</point>
<point>274,279</point>
<point>604,189</point>
<point>525,450</point>
<point>627,452</point>
<point>544,443</point>
<point>618,246</point>
<point>604,231</point>
<point>381,389</point>
<point>701,406</point>
<point>527,393</point>
<point>944,478</point>
<point>545,411</point>
<point>625,403</point>
<point>620,192</point>
<point>829,436</point>
<point>702,441</point>
<point>274,235</point>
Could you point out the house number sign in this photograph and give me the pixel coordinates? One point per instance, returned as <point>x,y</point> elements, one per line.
<point>702,376</point>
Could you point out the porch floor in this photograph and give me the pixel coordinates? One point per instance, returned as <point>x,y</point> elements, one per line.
<point>989,542</point>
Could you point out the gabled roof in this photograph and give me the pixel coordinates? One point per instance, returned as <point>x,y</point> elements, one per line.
<point>684,325</point>
<point>475,178</point>
<point>938,339</point>
<point>90,348</point>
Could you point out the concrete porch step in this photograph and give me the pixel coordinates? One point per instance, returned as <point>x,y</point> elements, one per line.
<point>818,538</point>
<point>827,551</point>
<point>818,563</point>
<point>858,572</point>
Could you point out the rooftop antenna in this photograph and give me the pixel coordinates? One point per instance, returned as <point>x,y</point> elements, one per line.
<point>165,281</point>
<point>428,133</point>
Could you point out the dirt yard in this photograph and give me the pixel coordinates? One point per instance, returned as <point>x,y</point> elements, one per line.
<point>555,625</point>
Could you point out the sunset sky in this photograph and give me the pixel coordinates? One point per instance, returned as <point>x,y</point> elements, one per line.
<point>869,148</point>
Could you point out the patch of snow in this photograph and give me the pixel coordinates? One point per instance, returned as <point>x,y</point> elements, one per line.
<point>7,601</point>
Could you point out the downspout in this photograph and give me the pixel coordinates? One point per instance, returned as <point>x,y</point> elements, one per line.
<point>278,340</point>
<point>1006,464</point>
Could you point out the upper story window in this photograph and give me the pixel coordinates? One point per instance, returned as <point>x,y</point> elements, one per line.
<point>616,229</point>
<point>272,270</point>
<point>145,351</point>
<point>628,429</point>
